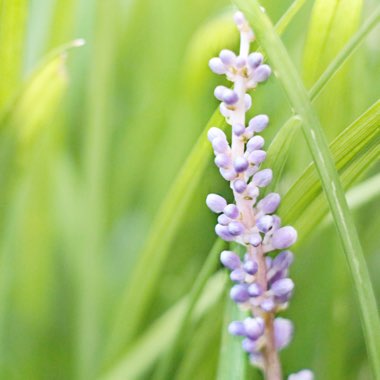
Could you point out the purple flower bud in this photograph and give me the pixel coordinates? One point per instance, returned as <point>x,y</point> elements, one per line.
<point>217,66</point>
<point>241,164</point>
<point>238,275</point>
<point>231,211</point>
<point>216,203</point>
<point>258,123</point>
<point>236,328</point>
<point>224,110</point>
<point>255,290</point>
<point>257,157</point>
<point>228,57</point>
<point>256,142</point>
<point>236,228</point>
<point>220,145</point>
<point>267,305</point>
<point>239,186</point>
<point>257,359</point>
<point>283,287</point>
<point>223,219</point>
<point>262,178</point>
<point>254,327</point>
<point>214,132</point>
<point>238,129</point>
<point>262,73</point>
<point>268,262</point>
<point>269,204</point>
<point>252,190</point>
<point>265,223</point>
<point>283,332</point>
<point>230,97</point>
<point>255,240</point>
<point>284,237</point>
<point>222,231</point>
<point>222,160</point>
<point>283,260</point>
<point>249,345</point>
<point>276,222</point>
<point>255,59</point>
<point>239,294</point>
<point>305,374</point>
<point>240,62</point>
<point>219,92</point>
<point>247,102</point>
<point>250,267</point>
<point>239,19</point>
<point>230,260</point>
<point>228,174</point>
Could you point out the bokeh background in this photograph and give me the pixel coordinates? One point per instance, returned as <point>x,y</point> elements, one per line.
<point>91,141</point>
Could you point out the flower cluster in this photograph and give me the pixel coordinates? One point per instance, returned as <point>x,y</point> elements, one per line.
<point>262,285</point>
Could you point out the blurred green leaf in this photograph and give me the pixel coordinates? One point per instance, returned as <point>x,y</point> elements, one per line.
<point>328,32</point>
<point>329,176</point>
<point>161,334</point>
<point>152,259</point>
<point>13,14</point>
<point>345,53</point>
<point>27,118</point>
<point>208,268</point>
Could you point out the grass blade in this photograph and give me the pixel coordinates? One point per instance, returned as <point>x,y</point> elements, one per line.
<point>232,358</point>
<point>329,177</point>
<point>160,335</point>
<point>207,270</point>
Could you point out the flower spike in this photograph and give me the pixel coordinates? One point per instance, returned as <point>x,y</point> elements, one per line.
<point>262,285</point>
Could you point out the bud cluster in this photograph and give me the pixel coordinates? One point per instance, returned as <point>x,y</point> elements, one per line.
<point>262,286</point>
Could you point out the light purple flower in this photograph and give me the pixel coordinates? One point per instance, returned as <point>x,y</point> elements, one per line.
<point>284,237</point>
<point>217,66</point>
<point>241,164</point>
<point>263,178</point>
<point>254,327</point>
<point>256,142</point>
<point>283,332</point>
<point>236,328</point>
<point>269,204</point>
<point>230,260</point>
<point>239,186</point>
<point>262,73</point>
<point>227,57</point>
<point>215,132</point>
<point>305,374</point>
<point>216,203</point>
<point>258,123</point>
<point>231,211</point>
<point>255,59</point>
<point>239,293</point>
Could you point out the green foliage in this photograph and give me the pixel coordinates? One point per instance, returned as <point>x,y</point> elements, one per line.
<point>108,268</point>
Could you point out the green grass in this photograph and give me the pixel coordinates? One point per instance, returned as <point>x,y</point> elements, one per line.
<point>108,264</point>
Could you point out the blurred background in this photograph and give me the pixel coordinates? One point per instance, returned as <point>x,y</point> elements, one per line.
<point>92,139</point>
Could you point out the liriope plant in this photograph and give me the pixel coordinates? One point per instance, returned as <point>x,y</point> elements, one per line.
<point>262,286</point>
